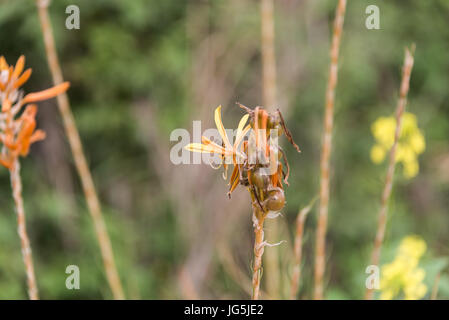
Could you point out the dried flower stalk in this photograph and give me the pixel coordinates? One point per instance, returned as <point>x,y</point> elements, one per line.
<point>382,222</point>
<point>268,54</point>
<point>320,255</point>
<point>258,221</point>
<point>300,221</point>
<point>255,166</point>
<point>269,99</point>
<point>84,173</point>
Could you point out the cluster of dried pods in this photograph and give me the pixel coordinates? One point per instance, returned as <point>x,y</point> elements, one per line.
<point>256,157</point>
<point>262,170</point>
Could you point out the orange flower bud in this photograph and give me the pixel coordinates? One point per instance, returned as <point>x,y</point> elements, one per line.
<point>46,94</point>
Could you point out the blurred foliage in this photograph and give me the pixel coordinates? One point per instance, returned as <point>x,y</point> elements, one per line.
<point>127,52</point>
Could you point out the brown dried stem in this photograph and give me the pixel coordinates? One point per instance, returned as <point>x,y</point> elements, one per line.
<point>269,89</point>
<point>320,255</point>
<point>268,55</point>
<point>258,221</point>
<point>16,185</point>
<point>300,221</point>
<point>382,222</point>
<point>78,154</point>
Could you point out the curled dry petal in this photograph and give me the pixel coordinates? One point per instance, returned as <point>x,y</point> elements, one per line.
<point>241,125</point>
<point>221,128</point>
<point>199,147</point>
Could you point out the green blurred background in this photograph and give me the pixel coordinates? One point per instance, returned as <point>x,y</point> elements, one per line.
<point>141,68</point>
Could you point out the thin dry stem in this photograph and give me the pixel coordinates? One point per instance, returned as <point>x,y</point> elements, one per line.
<point>382,222</point>
<point>268,55</point>
<point>78,155</point>
<point>320,255</point>
<point>258,221</point>
<point>16,185</point>
<point>269,101</point>
<point>300,221</point>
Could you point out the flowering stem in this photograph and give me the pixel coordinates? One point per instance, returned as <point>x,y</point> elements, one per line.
<point>382,220</point>
<point>78,154</point>
<point>320,254</point>
<point>16,185</point>
<point>258,220</point>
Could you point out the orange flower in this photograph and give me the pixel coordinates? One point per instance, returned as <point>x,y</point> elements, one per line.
<point>17,133</point>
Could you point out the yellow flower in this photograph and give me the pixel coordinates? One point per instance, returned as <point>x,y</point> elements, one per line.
<point>417,142</point>
<point>208,146</point>
<point>411,142</point>
<point>415,289</point>
<point>403,274</point>
<point>412,246</point>
<point>227,150</point>
<point>411,169</point>
<point>383,130</point>
<point>409,123</point>
<point>377,153</point>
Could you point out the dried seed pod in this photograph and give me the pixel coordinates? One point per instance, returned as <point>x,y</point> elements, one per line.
<point>244,180</point>
<point>275,200</point>
<point>274,123</point>
<point>259,178</point>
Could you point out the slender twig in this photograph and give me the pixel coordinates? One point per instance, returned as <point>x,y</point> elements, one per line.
<point>436,284</point>
<point>16,185</point>
<point>300,221</point>
<point>320,254</point>
<point>269,89</point>
<point>258,221</point>
<point>80,160</point>
<point>268,54</point>
<point>382,222</point>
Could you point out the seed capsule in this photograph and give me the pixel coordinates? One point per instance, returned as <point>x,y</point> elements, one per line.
<point>259,179</point>
<point>273,121</point>
<point>244,177</point>
<point>275,200</point>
